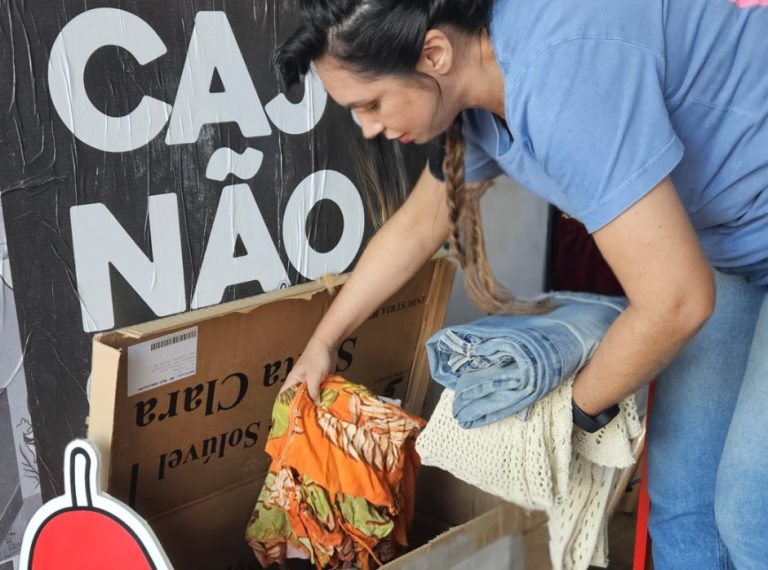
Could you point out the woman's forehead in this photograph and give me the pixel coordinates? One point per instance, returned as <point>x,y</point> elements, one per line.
<point>348,88</point>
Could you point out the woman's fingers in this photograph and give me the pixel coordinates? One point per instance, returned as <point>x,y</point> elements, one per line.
<point>313,385</point>
<point>292,380</point>
<point>313,382</point>
<point>311,369</point>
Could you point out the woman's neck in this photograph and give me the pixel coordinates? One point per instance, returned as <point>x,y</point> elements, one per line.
<point>481,81</point>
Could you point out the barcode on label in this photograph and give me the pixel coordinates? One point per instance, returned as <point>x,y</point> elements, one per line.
<point>173,340</point>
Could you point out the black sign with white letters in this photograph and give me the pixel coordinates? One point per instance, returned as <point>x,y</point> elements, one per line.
<point>150,165</point>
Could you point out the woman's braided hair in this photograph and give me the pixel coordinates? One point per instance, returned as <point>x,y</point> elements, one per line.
<point>467,240</point>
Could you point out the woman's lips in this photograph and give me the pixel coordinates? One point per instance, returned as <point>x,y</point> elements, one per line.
<point>405,138</point>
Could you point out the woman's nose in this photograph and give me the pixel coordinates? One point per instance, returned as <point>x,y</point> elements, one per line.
<point>371,127</point>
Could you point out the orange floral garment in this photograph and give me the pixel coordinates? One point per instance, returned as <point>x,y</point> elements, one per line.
<point>341,485</point>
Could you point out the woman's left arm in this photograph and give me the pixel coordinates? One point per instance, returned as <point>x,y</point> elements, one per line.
<point>656,256</point>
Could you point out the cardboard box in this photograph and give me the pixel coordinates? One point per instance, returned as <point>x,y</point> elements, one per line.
<point>460,527</point>
<point>491,541</point>
<point>181,408</point>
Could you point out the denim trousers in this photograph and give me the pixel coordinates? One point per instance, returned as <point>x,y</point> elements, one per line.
<point>708,440</point>
<point>498,366</point>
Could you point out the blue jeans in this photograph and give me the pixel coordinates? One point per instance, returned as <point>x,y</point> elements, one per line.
<point>498,366</point>
<point>708,440</point>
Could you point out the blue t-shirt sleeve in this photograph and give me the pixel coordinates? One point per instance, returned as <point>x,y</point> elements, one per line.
<point>592,113</point>
<point>478,165</point>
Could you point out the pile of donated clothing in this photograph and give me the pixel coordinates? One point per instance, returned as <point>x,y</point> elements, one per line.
<point>504,421</point>
<point>340,488</point>
<point>340,491</point>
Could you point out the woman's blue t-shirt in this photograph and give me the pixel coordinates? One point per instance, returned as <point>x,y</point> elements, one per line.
<point>604,98</point>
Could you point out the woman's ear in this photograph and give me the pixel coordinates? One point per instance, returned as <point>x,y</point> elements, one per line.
<point>436,54</point>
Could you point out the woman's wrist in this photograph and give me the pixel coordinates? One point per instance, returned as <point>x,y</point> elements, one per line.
<point>592,423</point>
<point>327,335</point>
<point>587,414</point>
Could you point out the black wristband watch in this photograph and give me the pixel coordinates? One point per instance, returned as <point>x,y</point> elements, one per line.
<point>593,423</point>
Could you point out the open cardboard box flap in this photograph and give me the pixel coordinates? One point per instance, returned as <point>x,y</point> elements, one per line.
<point>503,538</point>
<point>181,407</point>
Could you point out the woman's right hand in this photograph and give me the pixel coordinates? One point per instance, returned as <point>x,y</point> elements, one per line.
<point>312,368</point>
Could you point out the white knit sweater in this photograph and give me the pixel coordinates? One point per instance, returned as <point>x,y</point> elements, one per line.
<point>543,463</point>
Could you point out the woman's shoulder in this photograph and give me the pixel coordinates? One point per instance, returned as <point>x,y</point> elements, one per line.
<point>522,30</point>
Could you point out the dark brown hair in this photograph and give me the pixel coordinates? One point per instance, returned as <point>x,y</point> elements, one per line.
<point>386,37</point>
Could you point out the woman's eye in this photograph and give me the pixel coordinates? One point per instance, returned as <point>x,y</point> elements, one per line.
<point>372,107</point>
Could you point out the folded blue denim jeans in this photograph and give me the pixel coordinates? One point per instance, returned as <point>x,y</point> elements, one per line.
<point>498,366</point>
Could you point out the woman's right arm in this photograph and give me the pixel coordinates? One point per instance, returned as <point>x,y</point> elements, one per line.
<point>403,244</point>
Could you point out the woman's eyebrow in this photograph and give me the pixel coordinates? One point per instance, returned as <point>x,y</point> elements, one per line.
<point>363,103</point>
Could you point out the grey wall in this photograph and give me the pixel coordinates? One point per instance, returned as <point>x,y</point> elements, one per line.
<point>19,480</point>
<point>515,224</point>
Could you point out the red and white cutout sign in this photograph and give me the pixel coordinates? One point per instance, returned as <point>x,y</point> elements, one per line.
<point>86,529</point>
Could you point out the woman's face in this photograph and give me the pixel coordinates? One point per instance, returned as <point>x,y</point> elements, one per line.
<point>408,110</point>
